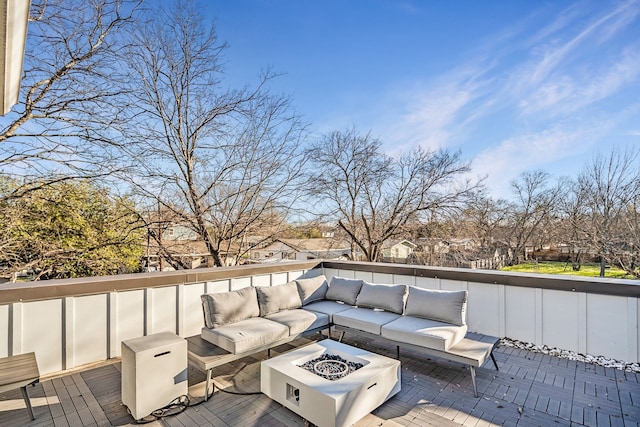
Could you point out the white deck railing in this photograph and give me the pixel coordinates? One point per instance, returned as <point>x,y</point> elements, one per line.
<point>69,323</point>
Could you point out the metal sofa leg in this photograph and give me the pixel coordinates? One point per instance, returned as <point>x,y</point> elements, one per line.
<point>27,401</point>
<point>494,361</point>
<point>473,380</point>
<point>206,387</point>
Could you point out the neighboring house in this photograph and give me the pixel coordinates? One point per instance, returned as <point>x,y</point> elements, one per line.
<point>302,249</point>
<point>179,232</point>
<point>398,250</point>
<point>433,245</point>
<point>184,244</point>
<point>465,244</point>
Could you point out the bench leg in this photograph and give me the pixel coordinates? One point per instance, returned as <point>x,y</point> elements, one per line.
<point>494,361</point>
<point>27,401</point>
<point>398,352</point>
<point>473,380</point>
<point>341,336</point>
<point>206,387</point>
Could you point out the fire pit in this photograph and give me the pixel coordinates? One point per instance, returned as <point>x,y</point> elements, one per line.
<point>331,367</point>
<point>329,383</point>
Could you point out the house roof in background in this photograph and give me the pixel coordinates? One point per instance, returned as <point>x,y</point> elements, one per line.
<point>317,244</point>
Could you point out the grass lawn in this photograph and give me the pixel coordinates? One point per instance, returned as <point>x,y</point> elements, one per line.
<point>548,267</point>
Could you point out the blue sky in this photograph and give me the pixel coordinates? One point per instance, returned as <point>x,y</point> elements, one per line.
<point>515,85</point>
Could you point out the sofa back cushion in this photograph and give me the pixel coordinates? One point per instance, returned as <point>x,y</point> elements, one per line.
<point>229,307</point>
<point>387,297</point>
<point>312,289</point>
<point>443,306</point>
<point>273,299</point>
<point>345,290</point>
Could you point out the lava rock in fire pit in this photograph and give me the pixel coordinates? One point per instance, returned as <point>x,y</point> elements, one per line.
<point>331,366</point>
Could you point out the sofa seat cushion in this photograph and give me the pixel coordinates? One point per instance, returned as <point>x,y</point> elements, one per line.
<point>299,320</point>
<point>424,332</point>
<point>386,297</point>
<point>246,335</point>
<point>272,299</point>
<point>364,319</point>
<point>327,307</point>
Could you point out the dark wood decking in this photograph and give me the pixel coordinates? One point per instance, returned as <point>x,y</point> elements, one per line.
<point>530,390</point>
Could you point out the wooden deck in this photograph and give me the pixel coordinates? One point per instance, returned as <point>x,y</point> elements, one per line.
<point>530,390</point>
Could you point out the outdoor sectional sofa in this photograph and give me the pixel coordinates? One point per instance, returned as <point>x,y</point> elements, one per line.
<point>431,321</point>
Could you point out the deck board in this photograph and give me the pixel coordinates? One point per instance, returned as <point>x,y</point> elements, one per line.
<point>529,390</point>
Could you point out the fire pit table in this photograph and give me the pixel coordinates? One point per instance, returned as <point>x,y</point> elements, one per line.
<point>330,383</point>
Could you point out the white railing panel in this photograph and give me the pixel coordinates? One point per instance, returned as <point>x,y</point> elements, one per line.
<point>86,329</point>
<point>382,278</point>
<point>191,310</point>
<point>520,313</point>
<point>452,285</point>
<point>362,275</point>
<point>38,328</point>
<point>404,280</point>
<point>634,326</point>
<point>218,286</point>
<point>483,308</point>
<point>241,282</point>
<point>607,326</point>
<point>4,330</point>
<point>162,309</point>
<point>428,283</point>
<point>130,315</point>
<point>279,279</point>
<point>263,280</point>
<point>294,274</point>
<point>559,312</point>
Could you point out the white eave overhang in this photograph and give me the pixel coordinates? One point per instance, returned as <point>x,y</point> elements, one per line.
<point>14,16</point>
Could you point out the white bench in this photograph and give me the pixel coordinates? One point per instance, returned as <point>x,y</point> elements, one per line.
<point>473,350</point>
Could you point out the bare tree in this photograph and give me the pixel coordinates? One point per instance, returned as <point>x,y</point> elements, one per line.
<point>535,204</point>
<point>226,162</point>
<point>610,186</point>
<point>71,96</point>
<point>573,217</point>
<point>485,217</point>
<point>373,195</point>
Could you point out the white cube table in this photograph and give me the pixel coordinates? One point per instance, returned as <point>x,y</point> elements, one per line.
<point>154,372</point>
<point>327,402</point>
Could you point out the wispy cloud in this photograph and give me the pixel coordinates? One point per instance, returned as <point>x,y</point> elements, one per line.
<point>568,93</point>
<point>504,162</point>
<point>553,91</point>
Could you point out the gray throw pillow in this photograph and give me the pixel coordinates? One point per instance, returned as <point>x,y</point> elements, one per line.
<point>312,289</point>
<point>443,306</point>
<point>229,307</point>
<point>273,299</point>
<point>345,290</point>
<point>387,297</point>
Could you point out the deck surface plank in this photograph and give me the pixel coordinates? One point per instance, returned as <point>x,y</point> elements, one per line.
<point>529,390</point>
